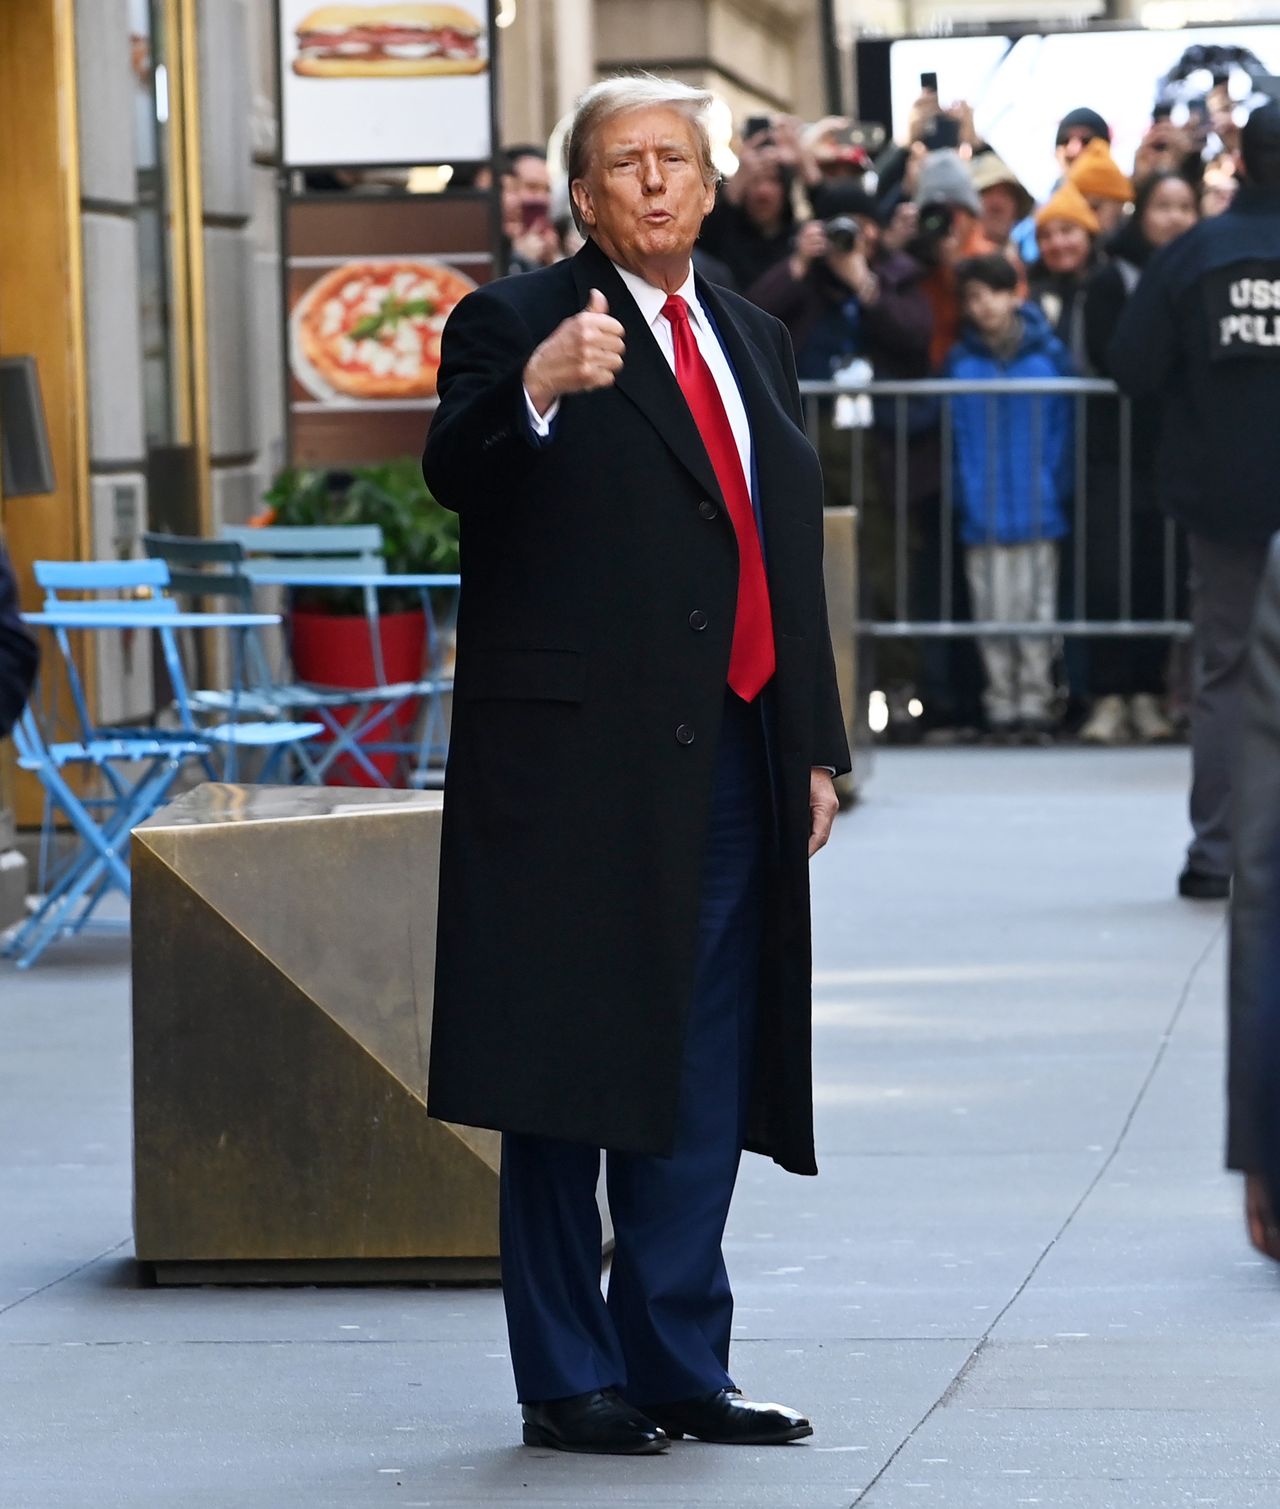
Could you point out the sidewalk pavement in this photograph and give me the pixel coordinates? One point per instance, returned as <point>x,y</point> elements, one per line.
<point>1021,1278</point>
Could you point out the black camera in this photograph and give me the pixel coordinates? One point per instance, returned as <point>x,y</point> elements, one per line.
<point>842,233</point>
<point>936,222</point>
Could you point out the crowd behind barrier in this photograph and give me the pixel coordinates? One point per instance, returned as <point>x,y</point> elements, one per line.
<point>914,275</point>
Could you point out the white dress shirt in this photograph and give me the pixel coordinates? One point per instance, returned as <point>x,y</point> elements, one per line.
<point>650,300</point>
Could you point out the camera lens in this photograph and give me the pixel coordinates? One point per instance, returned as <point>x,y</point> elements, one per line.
<point>842,233</point>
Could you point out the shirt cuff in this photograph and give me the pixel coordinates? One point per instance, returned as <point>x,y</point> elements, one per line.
<point>540,424</point>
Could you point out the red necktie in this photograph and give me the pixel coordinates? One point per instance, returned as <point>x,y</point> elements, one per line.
<point>751,656</point>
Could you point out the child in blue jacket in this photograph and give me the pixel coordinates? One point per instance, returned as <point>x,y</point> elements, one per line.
<point>1013,479</point>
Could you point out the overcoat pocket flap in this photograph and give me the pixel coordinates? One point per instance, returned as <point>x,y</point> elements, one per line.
<point>539,675</point>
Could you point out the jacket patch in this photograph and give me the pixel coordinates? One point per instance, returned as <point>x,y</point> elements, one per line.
<point>1242,306</point>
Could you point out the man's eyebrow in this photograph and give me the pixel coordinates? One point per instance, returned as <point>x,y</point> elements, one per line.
<point>622,148</point>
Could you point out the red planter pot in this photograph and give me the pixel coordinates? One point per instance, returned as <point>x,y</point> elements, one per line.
<point>337,650</point>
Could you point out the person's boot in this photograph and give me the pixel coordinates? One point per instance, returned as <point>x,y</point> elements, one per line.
<point>1108,723</point>
<point>1150,726</point>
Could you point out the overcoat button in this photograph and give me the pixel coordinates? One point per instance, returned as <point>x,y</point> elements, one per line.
<point>684,734</point>
<point>708,509</point>
<point>697,620</point>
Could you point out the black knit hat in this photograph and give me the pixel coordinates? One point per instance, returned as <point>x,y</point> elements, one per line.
<point>1090,120</point>
<point>1260,145</point>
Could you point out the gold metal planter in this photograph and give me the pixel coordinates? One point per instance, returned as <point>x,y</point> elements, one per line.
<point>284,948</point>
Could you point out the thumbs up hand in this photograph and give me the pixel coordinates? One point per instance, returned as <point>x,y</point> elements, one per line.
<point>581,353</point>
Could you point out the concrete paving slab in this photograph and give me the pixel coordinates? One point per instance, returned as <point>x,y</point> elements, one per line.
<point>1021,1276</point>
<point>325,1424</point>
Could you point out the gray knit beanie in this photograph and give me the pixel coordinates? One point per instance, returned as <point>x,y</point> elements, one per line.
<point>945,179</point>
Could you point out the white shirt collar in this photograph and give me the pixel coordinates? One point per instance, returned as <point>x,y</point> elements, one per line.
<point>650,299</point>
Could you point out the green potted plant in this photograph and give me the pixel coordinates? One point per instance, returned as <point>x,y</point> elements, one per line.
<point>329,634</point>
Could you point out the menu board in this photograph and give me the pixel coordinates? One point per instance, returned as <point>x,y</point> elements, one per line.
<point>376,84</point>
<point>369,284</point>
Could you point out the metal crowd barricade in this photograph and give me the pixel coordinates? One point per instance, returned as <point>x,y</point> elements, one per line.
<point>894,442</point>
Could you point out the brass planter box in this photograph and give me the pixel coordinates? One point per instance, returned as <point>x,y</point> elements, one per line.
<point>283,958</point>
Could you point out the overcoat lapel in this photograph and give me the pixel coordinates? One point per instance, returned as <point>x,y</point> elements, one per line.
<point>645,378</point>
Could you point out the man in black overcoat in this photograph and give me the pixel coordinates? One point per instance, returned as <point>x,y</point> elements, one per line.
<point>18,655</point>
<point>644,732</point>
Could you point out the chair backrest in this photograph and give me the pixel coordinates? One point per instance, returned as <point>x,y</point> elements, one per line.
<point>101,576</point>
<point>304,549</point>
<point>202,568</point>
<point>146,580</point>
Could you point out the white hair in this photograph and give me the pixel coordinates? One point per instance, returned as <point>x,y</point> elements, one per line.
<point>617,96</point>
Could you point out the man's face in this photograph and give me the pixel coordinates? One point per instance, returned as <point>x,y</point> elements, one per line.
<point>533,179</point>
<point>1064,246</point>
<point>643,196</point>
<point>1071,143</point>
<point>990,310</point>
<point>765,197</point>
<point>526,195</point>
<point>999,212</point>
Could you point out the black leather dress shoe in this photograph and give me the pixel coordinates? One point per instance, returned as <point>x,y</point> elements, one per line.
<point>727,1418</point>
<point>599,1422</point>
<point>1199,885</point>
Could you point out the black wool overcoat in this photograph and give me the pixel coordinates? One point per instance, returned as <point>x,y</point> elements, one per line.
<point>599,580</point>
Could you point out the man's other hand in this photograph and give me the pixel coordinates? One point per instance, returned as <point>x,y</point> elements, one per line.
<point>1263,1231</point>
<point>823,805</point>
<point>583,352</point>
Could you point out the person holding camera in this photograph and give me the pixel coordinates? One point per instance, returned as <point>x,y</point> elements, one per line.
<point>949,230</point>
<point>751,227</point>
<point>840,295</point>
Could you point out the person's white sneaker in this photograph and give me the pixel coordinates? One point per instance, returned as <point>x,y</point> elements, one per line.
<point>1108,723</point>
<point>1150,725</point>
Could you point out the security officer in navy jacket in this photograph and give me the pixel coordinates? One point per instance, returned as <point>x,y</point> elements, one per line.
<point>18,654</point>
<point>636,782</point>
<point>1203,332</point>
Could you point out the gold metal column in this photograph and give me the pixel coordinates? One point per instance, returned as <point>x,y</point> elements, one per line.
<point>42,291</point>
<point>181,51</point>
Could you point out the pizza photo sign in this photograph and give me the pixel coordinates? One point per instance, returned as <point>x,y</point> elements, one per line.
<point>385,83</point>
<point>370,283</point>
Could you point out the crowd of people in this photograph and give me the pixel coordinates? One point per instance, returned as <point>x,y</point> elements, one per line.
<point>931,259</point>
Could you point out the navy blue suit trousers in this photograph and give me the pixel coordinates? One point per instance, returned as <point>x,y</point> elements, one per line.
<point>663,1333</point>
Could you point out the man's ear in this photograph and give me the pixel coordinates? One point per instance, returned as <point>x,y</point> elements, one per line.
<point>582,198</point>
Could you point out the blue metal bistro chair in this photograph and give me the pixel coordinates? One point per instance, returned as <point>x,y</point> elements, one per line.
<point>361,720</point>
<point>101,862</point>
<point>273,737</point>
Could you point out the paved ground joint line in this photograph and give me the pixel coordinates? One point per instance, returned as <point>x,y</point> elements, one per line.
<point>956,1383</point>
<point>63,1277</point>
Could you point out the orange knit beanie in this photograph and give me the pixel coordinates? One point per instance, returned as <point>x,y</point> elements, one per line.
<point>1095,174</point>
<point>1068,203</point>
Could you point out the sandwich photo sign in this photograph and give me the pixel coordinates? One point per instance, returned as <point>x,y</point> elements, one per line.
<point>385,83</point>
